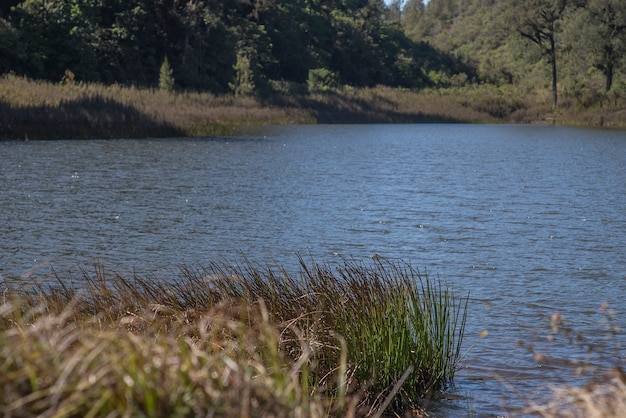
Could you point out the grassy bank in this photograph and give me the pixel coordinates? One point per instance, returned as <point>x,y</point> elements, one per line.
<point>42,110</point>
<point>353,339</point>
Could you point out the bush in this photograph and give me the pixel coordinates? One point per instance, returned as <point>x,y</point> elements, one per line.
<point>322,79</point>
<point>166,76</point>
<point>439,78</point>
<point>244,84</point>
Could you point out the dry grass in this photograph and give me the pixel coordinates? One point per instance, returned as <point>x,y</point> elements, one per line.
<point>42,110</point>
<point>606,399</point>
<point>214,365</point>
<point>605,394</point>
<point>226,341</point>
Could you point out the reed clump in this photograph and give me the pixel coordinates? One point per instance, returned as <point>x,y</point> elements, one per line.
<point>354,339</point>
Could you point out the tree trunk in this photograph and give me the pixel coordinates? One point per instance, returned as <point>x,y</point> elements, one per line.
<point>554,72</point>
<point>608,72</point>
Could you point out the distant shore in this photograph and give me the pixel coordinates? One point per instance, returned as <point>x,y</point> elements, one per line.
<point>42,110</point>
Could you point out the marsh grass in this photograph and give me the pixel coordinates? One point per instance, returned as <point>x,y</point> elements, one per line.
<point>55,366</point>
<point>352,339</point>
<point>389,316</point>
<point>70,110</point>
<point>601,399</point>
<point>42,110</point>
<point>594,357</point>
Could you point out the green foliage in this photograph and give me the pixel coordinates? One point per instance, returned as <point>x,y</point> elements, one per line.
<point>529,43</point>
<point>603,41</point>
<point>166,76</point>
<point>322,79</point>
<point>439,78</point>
<point>9,46</point>
<point>244,83</point>
<point>115,41</point>
<point>201,43</point>
<point>215,45</point>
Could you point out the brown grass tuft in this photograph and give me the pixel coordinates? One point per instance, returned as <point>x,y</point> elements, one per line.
<point>228,341</point>
<point>604,399</point>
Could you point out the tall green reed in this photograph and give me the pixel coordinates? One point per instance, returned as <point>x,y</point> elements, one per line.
<point>389,316</point>
<point>393,319</point>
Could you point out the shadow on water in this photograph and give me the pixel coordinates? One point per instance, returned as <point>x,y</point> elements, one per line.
<point>88,117</point>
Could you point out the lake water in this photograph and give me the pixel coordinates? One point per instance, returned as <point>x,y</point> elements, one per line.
<point>531,220</point>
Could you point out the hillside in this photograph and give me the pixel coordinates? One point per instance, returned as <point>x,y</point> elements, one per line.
<point>569,52</point>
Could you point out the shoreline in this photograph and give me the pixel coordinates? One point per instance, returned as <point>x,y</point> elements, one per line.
<point>42,110</point>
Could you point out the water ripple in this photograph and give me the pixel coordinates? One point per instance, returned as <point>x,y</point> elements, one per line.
<point>529,219</point>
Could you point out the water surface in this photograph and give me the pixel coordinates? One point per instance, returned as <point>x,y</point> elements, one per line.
<point>529,219</point>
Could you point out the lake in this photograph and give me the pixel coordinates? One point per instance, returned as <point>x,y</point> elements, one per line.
<point>530,220</point>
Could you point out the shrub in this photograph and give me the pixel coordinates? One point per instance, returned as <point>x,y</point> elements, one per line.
<point>321,79</point>
<point>439,78</point>
<point>166,76</point>
<point>244,84</point>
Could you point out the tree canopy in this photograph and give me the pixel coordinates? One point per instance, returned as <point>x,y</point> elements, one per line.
<point>125,41</point>
<point>245,45</point>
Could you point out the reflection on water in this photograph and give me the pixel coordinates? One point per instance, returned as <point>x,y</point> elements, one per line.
<point>529,219</point>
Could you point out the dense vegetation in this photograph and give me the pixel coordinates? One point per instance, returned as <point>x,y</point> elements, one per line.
<point>578,46</point>
<point>574,47</point>
<point>352,339</point>
<point>44,110</point>
<point>211,45</point>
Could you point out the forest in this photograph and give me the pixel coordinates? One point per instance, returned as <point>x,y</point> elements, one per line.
<point>575,48</point>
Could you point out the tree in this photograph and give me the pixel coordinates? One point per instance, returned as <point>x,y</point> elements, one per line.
<point>244,83</point>
<point>412,12</point>
<point>539,21</point>
<point>50,34</point>
<point>166,76</point>
<point>293,29</point>
<point>199,38</point>
<point>6,5</point>
<point>606,29</point>
<point>9,46</point>
<point>393,12</point>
